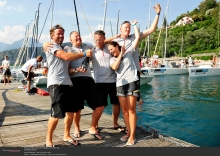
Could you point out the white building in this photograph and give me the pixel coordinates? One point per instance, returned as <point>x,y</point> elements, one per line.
<point>184,21</point>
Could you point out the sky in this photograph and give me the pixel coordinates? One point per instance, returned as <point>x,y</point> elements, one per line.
<point>15,15</point>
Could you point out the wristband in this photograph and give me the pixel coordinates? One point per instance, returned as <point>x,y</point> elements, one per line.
<point>84,53</point>
<point>133,24</point>
<point>158,13</point>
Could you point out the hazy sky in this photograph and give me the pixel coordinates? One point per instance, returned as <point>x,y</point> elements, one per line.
<point>15,15</point>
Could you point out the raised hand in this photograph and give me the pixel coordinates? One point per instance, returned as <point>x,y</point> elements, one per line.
<point>157,8</point>
<point>123,50</point>
<point>134,22</point>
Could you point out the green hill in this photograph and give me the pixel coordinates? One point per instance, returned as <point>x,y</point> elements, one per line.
<point>199,37</point>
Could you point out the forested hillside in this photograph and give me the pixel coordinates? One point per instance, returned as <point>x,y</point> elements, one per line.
<point>202,36</point>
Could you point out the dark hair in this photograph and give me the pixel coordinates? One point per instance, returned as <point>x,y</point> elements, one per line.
<point>99,32</point>
<point>39,56</point>
<point>125,22</point>
<point>57,26</point>
<point>73,32</point>
<point>114,44</point>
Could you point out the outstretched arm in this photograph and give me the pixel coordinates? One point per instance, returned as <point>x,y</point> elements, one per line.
<point>66,55</point>
<point>153,27</point>
<point>137,34</point>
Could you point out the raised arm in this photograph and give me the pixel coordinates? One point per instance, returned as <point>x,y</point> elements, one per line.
<point>153,27</point>
<point>137,34</point>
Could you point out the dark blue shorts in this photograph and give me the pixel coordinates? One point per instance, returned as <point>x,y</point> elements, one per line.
<point>31,75</point>
<point>108,89</point>
<point>85,89</point>
<point>61,100</point>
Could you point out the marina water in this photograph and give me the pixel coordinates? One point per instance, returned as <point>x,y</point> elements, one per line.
<point>187,108</point>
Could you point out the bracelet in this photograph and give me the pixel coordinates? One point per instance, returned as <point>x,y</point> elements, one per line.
<point>158,14</point>
<point>133,24</point>
<point>84,53</point>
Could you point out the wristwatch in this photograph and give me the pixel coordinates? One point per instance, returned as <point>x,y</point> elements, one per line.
<point>74,70</point>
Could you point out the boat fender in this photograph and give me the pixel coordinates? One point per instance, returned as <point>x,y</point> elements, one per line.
<point>42,92</point>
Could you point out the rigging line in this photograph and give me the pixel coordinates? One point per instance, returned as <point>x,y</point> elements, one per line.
<point>41,31</point>
<point>86,19</point>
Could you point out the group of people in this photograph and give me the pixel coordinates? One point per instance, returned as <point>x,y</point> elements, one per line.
<point>116,73</point>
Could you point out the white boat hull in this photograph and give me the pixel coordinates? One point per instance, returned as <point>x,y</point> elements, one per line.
<point>203,71</point>
<point>168,71</point>
<point>146,79</point>
<point>40,80</point>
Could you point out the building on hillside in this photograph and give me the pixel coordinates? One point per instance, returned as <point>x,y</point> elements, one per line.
<point>185,20</point>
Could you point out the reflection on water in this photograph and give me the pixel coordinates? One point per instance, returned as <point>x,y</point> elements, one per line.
<point>183,107</point>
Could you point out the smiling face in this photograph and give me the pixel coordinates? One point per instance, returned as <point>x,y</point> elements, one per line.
<point>125,29</point>
<point>99,41</point>
<point>58,36</point>
<point>114,50</point>
<point>75,39</point>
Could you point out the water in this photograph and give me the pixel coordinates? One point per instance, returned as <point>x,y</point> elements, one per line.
<point>183,107</point>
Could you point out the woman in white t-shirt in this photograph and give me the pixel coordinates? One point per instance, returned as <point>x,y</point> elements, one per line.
<point>127,82</point>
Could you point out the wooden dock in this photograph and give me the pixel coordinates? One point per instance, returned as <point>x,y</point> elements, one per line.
<point>23,123</point>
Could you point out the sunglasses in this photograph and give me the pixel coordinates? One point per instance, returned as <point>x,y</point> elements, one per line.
<point>56,27</point>
<point>125,22</point>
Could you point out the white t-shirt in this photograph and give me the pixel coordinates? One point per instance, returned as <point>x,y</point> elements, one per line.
<point>6,63</point>
<point>31,62</point>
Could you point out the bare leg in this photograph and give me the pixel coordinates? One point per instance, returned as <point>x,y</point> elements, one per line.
<point>4,80</point>
<point>68,120</point>
<point>28,85</point>
<point>9,80</point>
<point>115,114</point>
<point>131,101</point>
<point>124,107</point>
<point>96,114</point>
<point>52,123</point>
<point>76,118</point>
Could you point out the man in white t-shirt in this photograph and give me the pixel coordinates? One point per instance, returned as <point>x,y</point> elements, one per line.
<point>27,70</point>
<point>6,69</point>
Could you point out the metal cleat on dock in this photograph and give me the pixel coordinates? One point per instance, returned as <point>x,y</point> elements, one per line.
<point>153,131</point>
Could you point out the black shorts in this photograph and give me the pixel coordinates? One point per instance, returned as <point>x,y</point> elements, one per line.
<point>108,89</point>
<point>85,89</point>
<point>129,89</point>
<point>26,74</point>
<point>7,72</point>
<point>61,100</point>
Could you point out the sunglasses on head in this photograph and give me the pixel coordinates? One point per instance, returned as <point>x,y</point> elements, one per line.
<point>56,27</point>
<point>125,22</point>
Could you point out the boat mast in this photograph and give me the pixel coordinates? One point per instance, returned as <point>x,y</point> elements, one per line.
<point>148,37</point>
<point>165,48</point>
<point>76,16</point>
<point>181,46</point>
<point>117,22</point>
